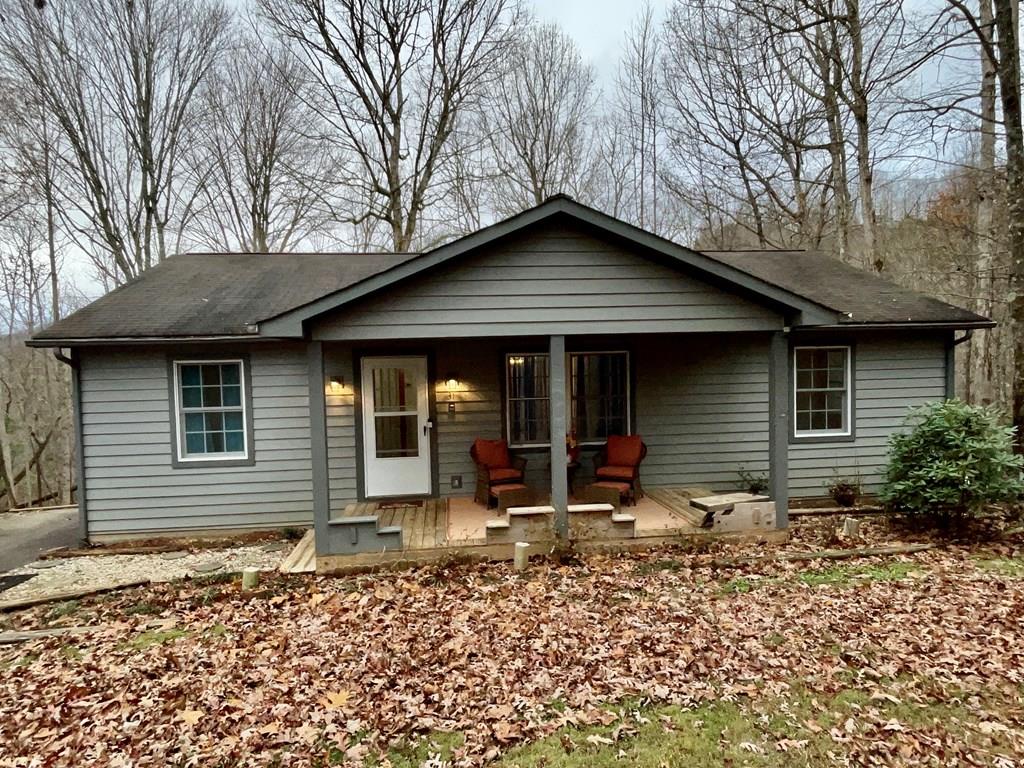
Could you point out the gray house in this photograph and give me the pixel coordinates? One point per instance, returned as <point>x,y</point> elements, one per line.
<point>255,391</point>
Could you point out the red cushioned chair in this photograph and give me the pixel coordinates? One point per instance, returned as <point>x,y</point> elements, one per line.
<point>617,465</point>
<point>495,466</point>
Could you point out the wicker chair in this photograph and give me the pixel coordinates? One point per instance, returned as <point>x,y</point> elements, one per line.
<point>617,465</point>
<point>495,467</point>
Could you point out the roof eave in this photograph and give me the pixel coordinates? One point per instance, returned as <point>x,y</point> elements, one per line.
<point>949,325</point>
<point>94,341</point>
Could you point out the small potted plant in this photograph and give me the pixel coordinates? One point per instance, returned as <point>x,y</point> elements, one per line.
<point>844,490</point>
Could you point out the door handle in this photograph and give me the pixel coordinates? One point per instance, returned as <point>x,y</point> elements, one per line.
<point>427,426</point>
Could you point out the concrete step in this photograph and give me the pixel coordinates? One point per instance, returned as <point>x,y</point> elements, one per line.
<point>594,522</point>
<point>521,524</point>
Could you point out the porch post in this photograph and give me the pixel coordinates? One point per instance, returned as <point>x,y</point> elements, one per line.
<point>318,443</point>
<point>559,428</point>
<point>778,425</point>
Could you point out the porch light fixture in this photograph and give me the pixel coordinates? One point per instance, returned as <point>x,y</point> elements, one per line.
<point>337,383</point>
<point>452,384</point>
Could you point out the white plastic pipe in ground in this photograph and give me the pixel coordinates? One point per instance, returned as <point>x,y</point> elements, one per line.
<point>522,556</point>
<point>250,578</point>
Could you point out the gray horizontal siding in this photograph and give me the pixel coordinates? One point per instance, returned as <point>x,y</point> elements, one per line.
<point>702,408</point>
<point>131,486</point>
<point>341,429</point>
<point>551,281</point>
<point>893,374</point>
<point>478,409</point>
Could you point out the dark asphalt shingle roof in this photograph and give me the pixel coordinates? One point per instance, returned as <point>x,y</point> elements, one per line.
<point>220,294</point>
<point>227,294</point>
<point>863,296</point>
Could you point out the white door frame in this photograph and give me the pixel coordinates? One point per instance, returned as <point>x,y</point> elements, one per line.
<point>396,476</point>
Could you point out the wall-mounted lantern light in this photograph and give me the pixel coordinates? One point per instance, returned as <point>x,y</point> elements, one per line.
<point>452,384</point>
<point>337,383</point>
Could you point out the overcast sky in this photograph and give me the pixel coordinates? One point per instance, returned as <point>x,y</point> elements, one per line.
<point>598,27</point>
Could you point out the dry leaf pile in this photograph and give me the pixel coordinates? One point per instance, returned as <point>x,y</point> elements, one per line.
<point>308,670</point>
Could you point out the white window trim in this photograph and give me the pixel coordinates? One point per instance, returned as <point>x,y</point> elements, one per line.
<point>568,393</point>
<point>179,431</point>
<point>847,429</point>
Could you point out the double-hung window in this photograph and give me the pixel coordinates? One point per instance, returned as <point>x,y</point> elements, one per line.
<point>598,397</point>
<point>527,401</point>
<point>821,397</point>
<point>599,389</point>
<point>210,407</point>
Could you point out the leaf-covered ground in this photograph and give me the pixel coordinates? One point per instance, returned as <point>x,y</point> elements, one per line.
<point>653,659</point>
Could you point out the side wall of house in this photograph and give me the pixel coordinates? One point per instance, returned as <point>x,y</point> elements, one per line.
<point>132,488</point>
<point>894,372</point>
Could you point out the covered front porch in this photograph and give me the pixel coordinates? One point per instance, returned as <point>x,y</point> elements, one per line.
<point>706,406</point>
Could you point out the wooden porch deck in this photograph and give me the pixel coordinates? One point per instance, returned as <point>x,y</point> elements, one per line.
<point>434,528</point>
<point>424,523</point>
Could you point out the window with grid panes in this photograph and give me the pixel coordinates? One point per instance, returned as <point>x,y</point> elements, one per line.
<point>822,391</point>
<point>211,410</point>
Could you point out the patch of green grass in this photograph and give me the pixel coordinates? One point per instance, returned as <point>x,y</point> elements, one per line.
<point>71,653</point>
<point>437,745</point>
<point>789,731</point>
<point>143,608</point>
<point>217,630</point>
<point>159,637</point>
<point>737,586</point>
<point>28,658</point>
<point>61,610</point>
<point>655,566</point>
<point>843,575</point>
<point>774,639</point>
<point>207,579</point>
<point>1003,566</point>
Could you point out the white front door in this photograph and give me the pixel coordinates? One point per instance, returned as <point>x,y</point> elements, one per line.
<point>396,426</point>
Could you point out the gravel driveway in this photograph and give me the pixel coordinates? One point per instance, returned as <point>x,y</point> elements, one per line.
<point>23,535</point>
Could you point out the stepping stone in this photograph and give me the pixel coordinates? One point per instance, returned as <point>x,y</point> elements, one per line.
<point>40,565</point>
<point>208,567</point>
<point>174,555</point>
<point>274,546</point>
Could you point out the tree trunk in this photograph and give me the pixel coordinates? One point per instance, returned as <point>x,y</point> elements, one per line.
<point>1009,91</point>
<point>979,353</point>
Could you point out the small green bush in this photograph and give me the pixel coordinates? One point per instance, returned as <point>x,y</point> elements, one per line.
<point>956,459</point>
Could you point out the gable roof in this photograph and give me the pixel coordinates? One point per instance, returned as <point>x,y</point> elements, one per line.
<point>213,296</point>
<point>862,297</point>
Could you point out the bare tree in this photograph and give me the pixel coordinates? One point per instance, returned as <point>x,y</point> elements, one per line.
<point>749,147</point>
<point>393,79</point>
<point>637,107</point>
<point>271,174</point>
<point>119,81</point>
<point>538,118</point>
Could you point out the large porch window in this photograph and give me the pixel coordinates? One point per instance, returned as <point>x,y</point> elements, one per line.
<point>598,397</point>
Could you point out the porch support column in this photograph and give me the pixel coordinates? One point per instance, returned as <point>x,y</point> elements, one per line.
<point>778,425</point>
<point>559,429</point>
<point>318,443</point>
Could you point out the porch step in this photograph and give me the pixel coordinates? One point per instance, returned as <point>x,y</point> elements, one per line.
<point>362,533</point>
<point>589,522</point>
<point>521,524</point>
